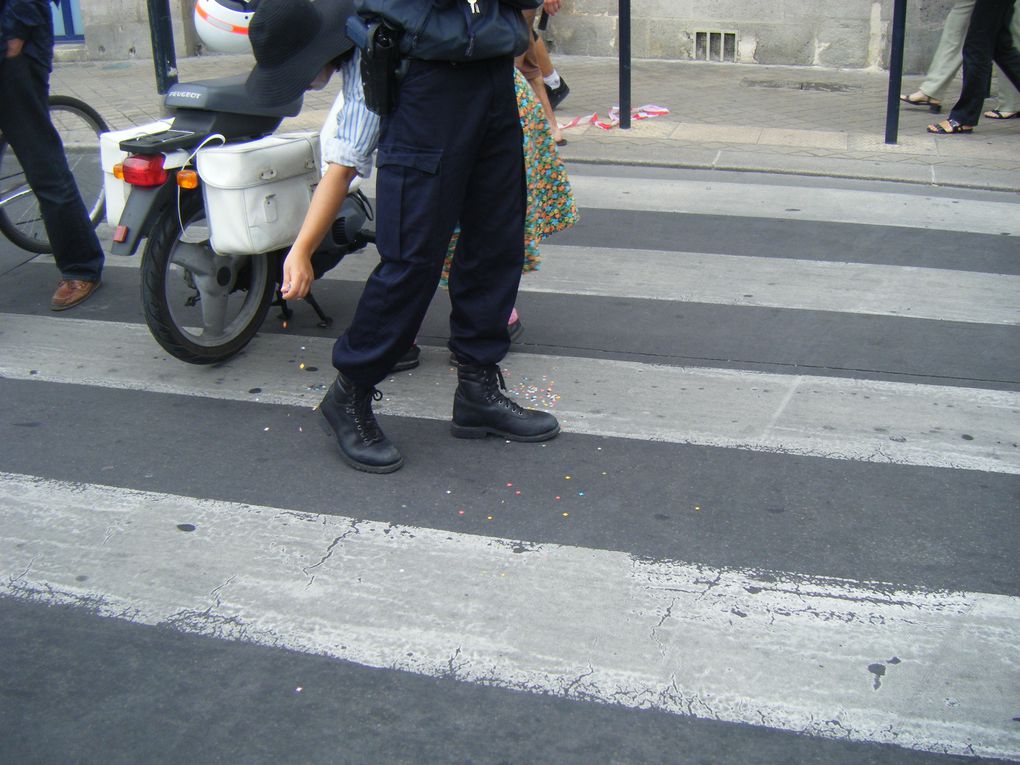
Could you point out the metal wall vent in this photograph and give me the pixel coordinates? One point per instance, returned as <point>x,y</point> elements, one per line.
<point>715,46</point>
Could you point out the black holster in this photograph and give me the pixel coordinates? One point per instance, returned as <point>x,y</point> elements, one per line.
<point>380,66</point>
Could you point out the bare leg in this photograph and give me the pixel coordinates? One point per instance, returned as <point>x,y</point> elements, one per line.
<point>542,57</point>
<point>528,66</point>
<point>538,85</point>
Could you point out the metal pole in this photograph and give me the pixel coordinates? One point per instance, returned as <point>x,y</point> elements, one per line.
<point>163,56</point>
<point>624,42</point>
<point>892,109</point>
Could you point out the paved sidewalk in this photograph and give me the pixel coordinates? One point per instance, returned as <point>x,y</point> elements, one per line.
<point>798,120</point>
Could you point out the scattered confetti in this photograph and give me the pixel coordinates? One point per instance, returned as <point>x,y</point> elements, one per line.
<point>460,512</point>
<point>557,499</point>
<point>566,515</point>
<point>490,517</point>
<point>301,365</point>
<point>265,429</point>
<point>566,477</point>
<point>540,394</point>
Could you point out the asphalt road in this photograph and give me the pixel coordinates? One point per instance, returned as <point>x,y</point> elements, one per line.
<point>780,524</point>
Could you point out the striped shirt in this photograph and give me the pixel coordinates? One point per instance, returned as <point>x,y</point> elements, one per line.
<point>351,132</point>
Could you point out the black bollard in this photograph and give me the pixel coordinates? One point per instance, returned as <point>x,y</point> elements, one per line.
<point>163,56</point>
<point>892,109</point>
<point>623,40</point>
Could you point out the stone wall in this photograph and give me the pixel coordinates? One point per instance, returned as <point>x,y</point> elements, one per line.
<point>119,29</point>
<point>831,33</point>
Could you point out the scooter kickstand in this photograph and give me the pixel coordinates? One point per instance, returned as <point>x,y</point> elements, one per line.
<point>325,322</point>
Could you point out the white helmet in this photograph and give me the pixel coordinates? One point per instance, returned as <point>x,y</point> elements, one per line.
<point>223,24</point>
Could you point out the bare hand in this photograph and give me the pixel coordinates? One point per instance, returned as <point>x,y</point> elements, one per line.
<point>552,7</point>
<point>14,47</point>
<point>297,276</point>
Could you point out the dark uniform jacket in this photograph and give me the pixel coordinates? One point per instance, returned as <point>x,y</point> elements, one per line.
<point>31,21</point>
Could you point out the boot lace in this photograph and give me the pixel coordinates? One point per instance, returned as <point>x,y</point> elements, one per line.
<point>359,409</point>
<point>494,383</point>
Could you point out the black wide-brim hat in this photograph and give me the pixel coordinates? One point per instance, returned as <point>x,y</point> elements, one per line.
<point>292,41</point>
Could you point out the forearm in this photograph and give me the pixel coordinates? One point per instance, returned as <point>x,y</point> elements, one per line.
<point>326,201</point>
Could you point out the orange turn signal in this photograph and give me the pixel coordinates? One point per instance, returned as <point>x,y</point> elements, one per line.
<point>118,171</point>
<point>187,179</point>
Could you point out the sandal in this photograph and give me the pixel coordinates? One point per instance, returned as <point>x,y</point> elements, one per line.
<point>995,114</point>
<point>920,99</point>
<point>950,127</point>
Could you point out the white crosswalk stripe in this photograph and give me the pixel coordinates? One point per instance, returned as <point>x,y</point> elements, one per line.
<point>789,202</point>
<point>872,659</point>
<point>834,658</point>
<point>889,422</point>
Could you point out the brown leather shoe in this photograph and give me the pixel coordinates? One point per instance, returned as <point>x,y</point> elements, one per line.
<point>70,292</point>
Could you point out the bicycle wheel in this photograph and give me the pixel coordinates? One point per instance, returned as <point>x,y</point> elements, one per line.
<point>79,126</point>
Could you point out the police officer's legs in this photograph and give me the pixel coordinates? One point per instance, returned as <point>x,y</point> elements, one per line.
<point>485,275</point>
<point>434,153</point>
<point>425,149</point>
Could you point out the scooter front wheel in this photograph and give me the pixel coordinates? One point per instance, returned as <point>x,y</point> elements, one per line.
<point>201,306</point>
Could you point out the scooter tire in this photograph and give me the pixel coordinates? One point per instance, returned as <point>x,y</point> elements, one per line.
<point>156,278</point>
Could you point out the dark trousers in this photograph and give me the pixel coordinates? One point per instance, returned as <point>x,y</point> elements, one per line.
<point>451,152</point>
<point>988,39</point>
<point>25,122</point>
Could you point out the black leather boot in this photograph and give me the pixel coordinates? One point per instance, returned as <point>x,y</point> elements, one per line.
<point>347,416</point>
<point>481,409</point>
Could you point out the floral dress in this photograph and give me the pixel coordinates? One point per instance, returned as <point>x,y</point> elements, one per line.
<point>550,203</point>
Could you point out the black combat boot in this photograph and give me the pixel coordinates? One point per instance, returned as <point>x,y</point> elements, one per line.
<point>347,413</point>
<point>480,409</point>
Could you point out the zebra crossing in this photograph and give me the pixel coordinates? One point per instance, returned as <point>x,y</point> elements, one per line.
<point>641,560</point>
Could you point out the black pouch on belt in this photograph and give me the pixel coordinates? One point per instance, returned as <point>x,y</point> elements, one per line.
<point>380,62</point>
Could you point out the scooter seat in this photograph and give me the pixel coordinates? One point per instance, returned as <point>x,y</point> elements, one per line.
<point>227,95</point>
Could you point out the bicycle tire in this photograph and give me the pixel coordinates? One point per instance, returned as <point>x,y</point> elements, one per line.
<point>79,127</point>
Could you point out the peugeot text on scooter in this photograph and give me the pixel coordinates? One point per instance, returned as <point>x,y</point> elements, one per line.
<point>218,198</point>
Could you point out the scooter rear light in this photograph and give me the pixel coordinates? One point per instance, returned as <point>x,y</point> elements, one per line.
<point>145,170</point>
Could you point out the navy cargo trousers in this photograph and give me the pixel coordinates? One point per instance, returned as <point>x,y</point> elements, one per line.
<point>450,153</point>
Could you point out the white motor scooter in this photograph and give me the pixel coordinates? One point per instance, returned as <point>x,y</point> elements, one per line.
<point>219,198</point>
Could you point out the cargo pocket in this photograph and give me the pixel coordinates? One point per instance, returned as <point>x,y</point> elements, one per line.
<point>408,200</point>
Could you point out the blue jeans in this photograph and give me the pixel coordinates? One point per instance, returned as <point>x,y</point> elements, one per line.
<point>25,122</point>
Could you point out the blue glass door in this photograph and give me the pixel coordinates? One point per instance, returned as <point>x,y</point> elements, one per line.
<point>67,23</point>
